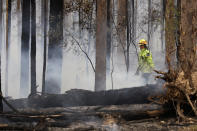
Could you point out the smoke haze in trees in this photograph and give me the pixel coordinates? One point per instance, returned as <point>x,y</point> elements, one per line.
<point>76,70</point>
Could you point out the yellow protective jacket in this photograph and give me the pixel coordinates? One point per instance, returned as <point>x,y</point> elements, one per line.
<point>146,64</point>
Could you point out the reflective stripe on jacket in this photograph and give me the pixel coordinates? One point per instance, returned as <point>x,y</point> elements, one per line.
<point>146,64</point>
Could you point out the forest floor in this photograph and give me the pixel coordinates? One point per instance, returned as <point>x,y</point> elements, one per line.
<point>152,124</point>
<point>92,122</point>
<point>81,110</point>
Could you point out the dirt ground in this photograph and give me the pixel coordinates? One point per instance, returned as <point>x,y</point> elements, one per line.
<point>152,124</point>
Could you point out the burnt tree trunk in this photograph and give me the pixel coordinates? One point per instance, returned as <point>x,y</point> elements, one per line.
<point>54,67</point>
<point>181,78</point>
<point>163,2</point>
<point>33,47</point>
<point>1,12</point>
<point>170,23</point>
<point>109,14</point>
<point>1,103</point>
<point>25,48</point>
<point>188,38</point>
<point>121,31</point>
<point>44,20</point>
<point>129,4</point>
<point>101,45</point>
<point>133,22</point>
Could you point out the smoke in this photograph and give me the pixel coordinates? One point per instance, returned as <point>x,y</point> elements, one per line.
<point>76,70</point>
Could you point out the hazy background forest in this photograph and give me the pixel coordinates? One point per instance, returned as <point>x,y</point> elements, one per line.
<point>130,21</point>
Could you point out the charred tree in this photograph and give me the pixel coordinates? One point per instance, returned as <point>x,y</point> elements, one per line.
<point>122,10</point>
<point>8,31</point>
<point>1,15</point>
<point>44,20</point>
<point>133,25</point>
<point>1,102</point>
<point>101,45</point>
<point>163,3</point>
<point>181,79</point>
<point>54,66</point>
<point>121,30</point>
<point>109,14</point>
<point>25,48</point>
<point>1,12</point>
<point>33,47</point>
<point>19,18</point>
<point>170,23</point>
<point>128,22</point>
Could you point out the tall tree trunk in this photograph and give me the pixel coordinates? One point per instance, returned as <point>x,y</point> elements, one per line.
<point>54,67</point>
<point>188,38</point>
<point>109,14</point>
<point>1,103</point>
<point>133,21</point>
<point>45,19</point>
<point>101,45</point>
<point>163,3</point>
<point>121,28</point>
<point>181,82</point>
<point>80,17</point>
<point>122,10</point>
<point>33,47</point>
<point>170,22</point>
<point>8,30</point>
<point>25,48</point>
<point>1,12</point>
<point>128,22</point>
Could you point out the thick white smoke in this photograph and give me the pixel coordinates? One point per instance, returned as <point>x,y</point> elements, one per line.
<point>76,69</point>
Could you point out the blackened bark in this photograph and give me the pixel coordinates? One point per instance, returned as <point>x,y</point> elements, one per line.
<point>121,31</point>
<point>178,17</point>
<point>128,17</point>
<point>162,22</point>
<point>54,67</point>
<point>101,45</point>
<point>33,47</point>
<point>45,19</point>
<point>134,22</point>
<point>1,11</point>
<point>25,48</point>
<point>109,13</point>
<point>1,103</point>
<point>121,18</point>
<point>80,16</point>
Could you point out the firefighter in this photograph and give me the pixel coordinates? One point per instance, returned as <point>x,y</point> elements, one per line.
<point>145,62</point>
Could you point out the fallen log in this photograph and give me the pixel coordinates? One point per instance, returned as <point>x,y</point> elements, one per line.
<point>78,97</point>
<point>137,111</point>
